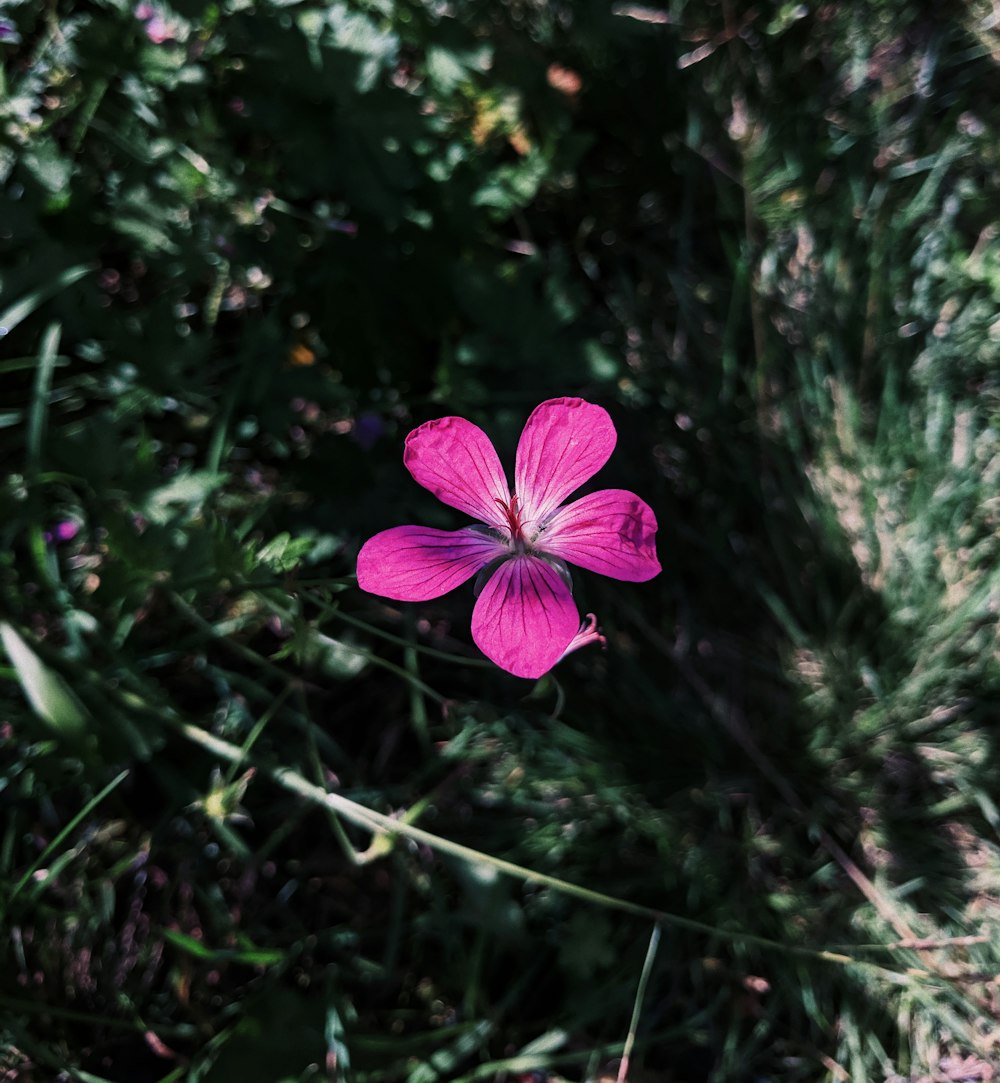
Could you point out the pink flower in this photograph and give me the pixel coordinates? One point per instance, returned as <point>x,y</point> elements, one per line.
<point>525,619</point>
<point>159,28</point>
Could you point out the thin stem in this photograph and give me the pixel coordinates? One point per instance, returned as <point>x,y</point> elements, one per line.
<point>259,727</point>
<point>269,667</point>
<point>418,708</point>
<point>389,637</point>
<point>378,823</point>
<point>640,996</point>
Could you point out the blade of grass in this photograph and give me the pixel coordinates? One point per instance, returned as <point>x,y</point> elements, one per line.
<point>19,364</point>
<point>11,316</point>
<point>197,949</point>
<point>640,996</point>
<point>54,845</point>
<point>259,726</point>
<point>37,415</point>
<point>47,353</point>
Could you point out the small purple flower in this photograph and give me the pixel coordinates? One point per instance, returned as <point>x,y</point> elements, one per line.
<point>65,531</point>
<point>368,428</point>
<point>8,33</point>
<point>342,225</point>
<point>525,619</point>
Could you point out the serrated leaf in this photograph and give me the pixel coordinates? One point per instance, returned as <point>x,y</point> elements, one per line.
<point>186,492</point>
<point>283,552</point>
<point>447,67</point>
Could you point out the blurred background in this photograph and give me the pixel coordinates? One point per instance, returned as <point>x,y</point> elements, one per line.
<point>247,245</point>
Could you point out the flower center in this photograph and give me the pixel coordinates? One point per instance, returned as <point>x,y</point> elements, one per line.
<point>512,513</point>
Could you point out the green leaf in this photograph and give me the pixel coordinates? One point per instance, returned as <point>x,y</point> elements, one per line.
<point>145,233</point>
<point>513,185</point>
<point>49,695</point>
<point>284,553</point>
<point>49,167</point>
<point>185,493</point>
<point>335,658</point>
<point>448,67</point>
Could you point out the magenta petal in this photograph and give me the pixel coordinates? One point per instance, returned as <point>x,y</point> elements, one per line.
<point>564,443</point>
<point>611,531</point>
<point>525,617</point>
<point>414,563</point>
<point>456,461</point>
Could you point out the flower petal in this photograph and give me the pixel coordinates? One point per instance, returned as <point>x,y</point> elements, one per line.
<point>611,531</point>
<point>456,461</point>
<point>564,443</point>
<point>525,617</point>
<point>589,633</point>
<point>414,563</point>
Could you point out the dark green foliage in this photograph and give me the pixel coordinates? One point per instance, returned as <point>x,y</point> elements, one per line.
<point>247,247</point>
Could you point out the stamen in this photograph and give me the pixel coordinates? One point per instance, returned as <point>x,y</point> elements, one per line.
<point>512,513</point>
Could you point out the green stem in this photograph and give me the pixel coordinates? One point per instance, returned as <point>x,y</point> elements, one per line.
<point>262,663</point>
<point>432,652</point>
<point>259,727</point>
<point>378,823</point>
<point>418,708</point>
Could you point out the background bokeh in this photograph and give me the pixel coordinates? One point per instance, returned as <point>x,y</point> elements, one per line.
<point>247,245</point>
